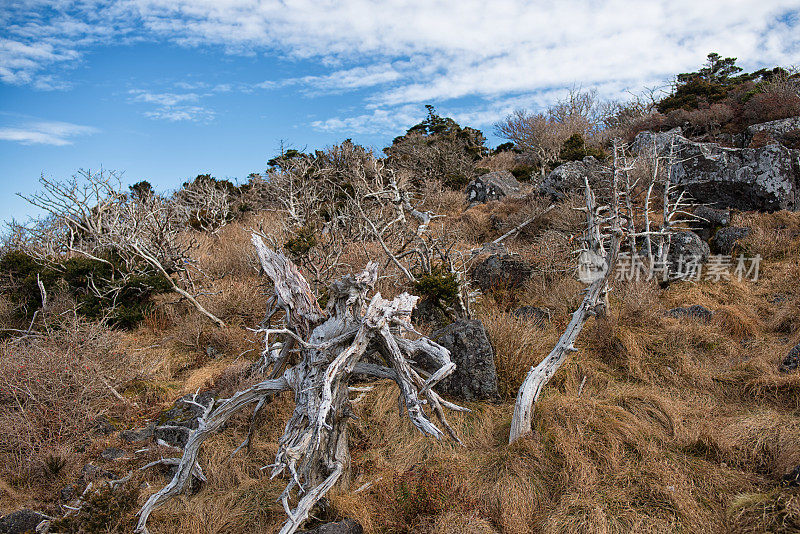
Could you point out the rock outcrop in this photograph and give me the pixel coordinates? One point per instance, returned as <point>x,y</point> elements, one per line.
<point>174,425</point>
<point>792,478</point>
<point>21,522</point>
<point>501,270</point>
<point>712,217</point>
<point>645,142</point>
<point>791,362</point>
<point>685,245</point>
<point>695,311</point>
<point>569,178</point>
<point>766,178</point>
<point>492,186</point>
<point>761,179</point>
<point>783,131</point>
<point>726,238</point>
<point>475,376</point>
<point>708,220</point>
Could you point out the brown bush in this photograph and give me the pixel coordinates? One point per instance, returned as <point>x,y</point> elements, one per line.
<point>52,389</point>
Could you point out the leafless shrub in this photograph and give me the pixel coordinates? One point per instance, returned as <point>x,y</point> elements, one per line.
<point>89,215</point>
<point>542,135</point>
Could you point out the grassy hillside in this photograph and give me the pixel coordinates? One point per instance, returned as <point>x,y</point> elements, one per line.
<point>657,424</point>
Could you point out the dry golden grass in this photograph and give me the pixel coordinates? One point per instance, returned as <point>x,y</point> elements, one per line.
<point>657,425</point>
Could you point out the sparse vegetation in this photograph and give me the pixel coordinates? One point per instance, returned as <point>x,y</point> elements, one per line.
<point>659,423</point>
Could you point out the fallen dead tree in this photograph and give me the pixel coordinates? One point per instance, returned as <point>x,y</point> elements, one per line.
<point>598,257</point>
<point>353,335</point>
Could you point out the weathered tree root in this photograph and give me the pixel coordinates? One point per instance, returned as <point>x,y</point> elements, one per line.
<point>313,451</point>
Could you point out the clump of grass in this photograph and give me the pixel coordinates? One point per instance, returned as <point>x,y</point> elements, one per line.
<point>52,387</point>
<point>775,511</point>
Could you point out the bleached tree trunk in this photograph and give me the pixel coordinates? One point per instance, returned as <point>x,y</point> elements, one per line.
<point>593,303</point>
<point>313,451</point>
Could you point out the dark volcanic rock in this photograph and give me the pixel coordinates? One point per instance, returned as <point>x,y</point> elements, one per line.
<point>792,478</point>
<point>348,526</point>
<point>138,434</point>
<point>21,522</point>
<point>713,217</point>
<point>766,178</point>
<point>646,141</point>
<point>708,220</point>
<point>760,179</point>
<point>501,270</point>
<point>174,425</point>
<point>475,376</point>
<point>726,238</point>
<point>427,311</point>
<point>569,178</point>
<point>112,453</point>
<point>792,361</point>
<point>778,131</point>
<point>694,311</point>
<point>685,246</point>
<point>92,472</point>
<point>492,186</point>
<point>103,425</point>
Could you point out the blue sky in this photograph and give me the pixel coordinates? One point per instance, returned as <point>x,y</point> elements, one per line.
<point>167,89</point>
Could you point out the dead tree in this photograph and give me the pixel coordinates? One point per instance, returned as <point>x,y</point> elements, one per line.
<point>355,334</point>
<point>602,241</point>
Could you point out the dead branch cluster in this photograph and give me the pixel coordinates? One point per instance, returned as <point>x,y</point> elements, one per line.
<point>89,215</point>
<point>320,351</point>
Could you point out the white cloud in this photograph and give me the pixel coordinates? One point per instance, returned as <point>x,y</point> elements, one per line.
<point>377,121</point>
<point>45,133</point>
<point>182,113</point>
<point>163,99</point>
<point>417,51</point>
<point>173,107</point>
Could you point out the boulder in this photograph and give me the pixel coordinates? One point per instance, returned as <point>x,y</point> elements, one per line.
<point>348,526</point>
<point>535,314</point>
<point>137,434</point>
<point>112,453</point>
<point>712,217</point>
<point>684,245</point>
<point>427,311</point>
<point>792,361</point>
<point>174,425</point>
<point>707,220</point>
<point>501,270</point>
<point>489,248</point>
<point>492,186</point>
<point>783,131</point>
<point>644,142</point>
<point>695,311</point>
<point>569,178</point>
<point>21,522</point>
<point>103,425</point>
<point>92,472</point>
<point>765,178</point>
<point>726,238</point>
<point>759,179</point>
<point>475,376</point>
